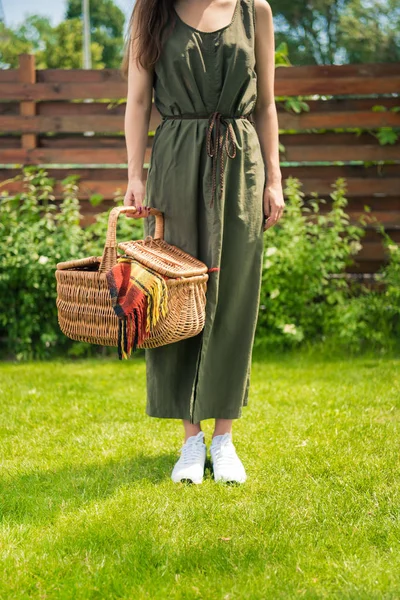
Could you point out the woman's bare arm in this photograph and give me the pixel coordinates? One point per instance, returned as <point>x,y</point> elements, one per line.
<point>265,115</point>
<point>137,117</point>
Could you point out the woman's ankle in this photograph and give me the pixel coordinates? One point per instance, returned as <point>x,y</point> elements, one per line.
<point>190,428</point>
<point>222,426</point>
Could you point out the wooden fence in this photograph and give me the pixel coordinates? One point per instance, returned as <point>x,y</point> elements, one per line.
<point>43,121</point>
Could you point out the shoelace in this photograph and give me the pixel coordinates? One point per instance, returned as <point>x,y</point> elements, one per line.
<point>225,452</point>
<point>192,451</point>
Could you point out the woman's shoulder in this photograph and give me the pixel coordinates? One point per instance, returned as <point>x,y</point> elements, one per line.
<point>262,8</point>
<point>262,12</point>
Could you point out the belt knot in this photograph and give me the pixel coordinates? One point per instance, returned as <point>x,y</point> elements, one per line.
<point>216,142</point>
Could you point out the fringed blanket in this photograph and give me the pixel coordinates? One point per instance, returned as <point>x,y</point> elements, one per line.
<point>139,297</point>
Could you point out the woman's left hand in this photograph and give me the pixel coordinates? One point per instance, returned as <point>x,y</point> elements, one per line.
<point>273,204</point>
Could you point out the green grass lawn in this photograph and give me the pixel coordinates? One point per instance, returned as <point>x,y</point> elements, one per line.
<point>88,509</point>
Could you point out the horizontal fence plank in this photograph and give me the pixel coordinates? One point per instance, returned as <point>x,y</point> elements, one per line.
<point>332,139</point>
<point>62,108</point>
<point>339,119</point>
<point>330,147</point>
<point>77,109</point>
<point>40,156</point>
<point>61,91</point>
<point>368,70</point>
<point>92,150</point>
<point>298,147</point>
<point>106,141</point>
<point>111,123</point>
<point>371,70</point>
<point>102,76</point>
<point>8,76</point>
<point>72,124</point>
<point>72,91</point>
<point>283,87</point>
<point>334,87</point>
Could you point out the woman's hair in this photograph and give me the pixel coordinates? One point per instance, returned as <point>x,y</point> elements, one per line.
<point>151,18</point>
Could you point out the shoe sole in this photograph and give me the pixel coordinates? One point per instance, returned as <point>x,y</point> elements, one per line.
<point>229,481</point>
<point>188,480</point>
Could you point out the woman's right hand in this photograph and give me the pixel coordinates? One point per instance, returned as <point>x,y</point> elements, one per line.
<point>134,196</point>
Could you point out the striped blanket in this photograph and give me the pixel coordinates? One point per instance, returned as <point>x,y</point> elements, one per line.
<point>139,297</point>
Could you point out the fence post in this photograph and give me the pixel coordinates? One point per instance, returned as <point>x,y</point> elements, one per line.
<point>27,74</point>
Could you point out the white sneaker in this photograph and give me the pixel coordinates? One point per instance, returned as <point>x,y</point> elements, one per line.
<point>227,466</point>
<point>190,465</point>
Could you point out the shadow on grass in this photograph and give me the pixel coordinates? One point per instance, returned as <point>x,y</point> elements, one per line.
<point>39,496</point>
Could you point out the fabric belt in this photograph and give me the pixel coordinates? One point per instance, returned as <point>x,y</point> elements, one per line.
<point>216,142</point>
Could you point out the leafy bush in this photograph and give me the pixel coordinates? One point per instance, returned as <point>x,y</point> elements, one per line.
<point>372,317</point>
<point>304,298</point>
<point>35,234</point>
<point>304,254</point>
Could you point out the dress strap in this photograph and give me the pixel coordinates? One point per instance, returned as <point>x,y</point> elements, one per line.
<point>248,13</point>
<point>253,14</point>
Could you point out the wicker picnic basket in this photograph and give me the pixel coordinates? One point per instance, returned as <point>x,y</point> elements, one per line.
<point>85,312</point>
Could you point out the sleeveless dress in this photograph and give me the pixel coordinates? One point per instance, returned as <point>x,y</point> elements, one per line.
<point>207,175</point>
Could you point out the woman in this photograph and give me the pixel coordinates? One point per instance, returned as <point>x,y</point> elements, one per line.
<point>214,173</point>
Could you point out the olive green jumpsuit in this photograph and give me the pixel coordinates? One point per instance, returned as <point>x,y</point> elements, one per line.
<point>207,176</point>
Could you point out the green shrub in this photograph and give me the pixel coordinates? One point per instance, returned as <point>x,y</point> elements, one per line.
<point>303,255</point>
<point>372,317</point>
<point>304,298</point>
<point>35,234</point>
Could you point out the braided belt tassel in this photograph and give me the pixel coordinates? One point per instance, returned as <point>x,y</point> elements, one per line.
<point>215,147</point>
<point>216,143</point>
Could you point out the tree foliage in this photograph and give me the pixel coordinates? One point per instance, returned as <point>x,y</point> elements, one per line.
<point>371,34</point>
<point>107,26</point>
<point>60,46</point>
<point>338,31</point>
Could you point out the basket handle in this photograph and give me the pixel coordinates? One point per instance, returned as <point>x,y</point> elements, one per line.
<point>110,254</point>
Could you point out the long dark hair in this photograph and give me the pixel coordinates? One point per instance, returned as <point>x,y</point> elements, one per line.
<point>151,19</point>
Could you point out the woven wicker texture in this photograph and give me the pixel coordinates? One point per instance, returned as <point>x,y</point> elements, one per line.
<point>165,258</point>
<point>83,300</point>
